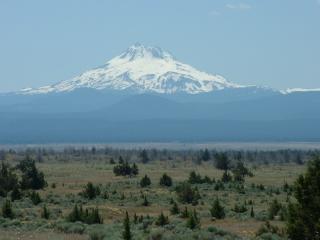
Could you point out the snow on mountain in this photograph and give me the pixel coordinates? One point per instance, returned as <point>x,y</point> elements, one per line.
<point>143,69</point>
<point>294,90</point>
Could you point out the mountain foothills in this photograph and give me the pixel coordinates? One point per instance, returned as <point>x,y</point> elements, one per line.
<point>145,94</point>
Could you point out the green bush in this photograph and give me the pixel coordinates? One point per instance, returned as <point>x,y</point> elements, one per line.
<point>88,216</point>
<point>7,211</point>
<point>187,194</point>
<point>145,181</point>
<point>69,227</point>
<point>90,191</point>
<point>175,209</point>
<point>45,212</point>
<point>126,234</point>
<point>35,197</point>
<point>124,169</point>
<point>97,235</point>
<point>162,220</point>
<point>165,180</point>
<point>193,220</point>
<point>274,209</point>
<point>8,179</point>
<point>31,177</point>
<point>217,210</point>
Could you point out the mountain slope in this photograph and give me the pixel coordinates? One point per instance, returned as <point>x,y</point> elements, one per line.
<point>142,69</point>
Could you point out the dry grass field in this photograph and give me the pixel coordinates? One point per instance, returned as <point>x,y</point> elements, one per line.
<point>66,179</point>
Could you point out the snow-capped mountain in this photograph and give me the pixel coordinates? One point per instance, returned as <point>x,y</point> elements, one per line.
<point>142,69</point>
<point>297,90</point>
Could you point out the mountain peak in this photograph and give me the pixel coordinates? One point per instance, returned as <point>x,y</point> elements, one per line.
<point>138,50</point>
<point>143,69</point>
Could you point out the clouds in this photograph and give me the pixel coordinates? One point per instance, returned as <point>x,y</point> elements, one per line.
<point>233,6</point>
<point>240,6</point>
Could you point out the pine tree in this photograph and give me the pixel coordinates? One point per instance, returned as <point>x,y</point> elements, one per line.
<point>16,194</point>
<point>222,161</point>
<point>187,194</point>
<point>145,181</point>
<point>205,155</point>
<point>162,220</point>
<point>7,211</point>
<point>45,212</point>
<point>31,178</point>
<point>193,220</point>
<point>165,180</point>
<point>175,209</point>
<point>35,198</point>
<point>75,214</point>
<point>185,213</point>
<point>112,161</point>
<point>135,218</point>
<point>8,180</point>
<point>127,235</point>
<point>91,191</point>
<point>134,170</point>
<point>144,156</point>
<point>145,201</point>
<point>217,211</point>
<point>252,212</point>
<point>304,215</point>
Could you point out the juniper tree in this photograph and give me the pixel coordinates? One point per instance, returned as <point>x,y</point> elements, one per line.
<point>8,179</point>
<point>127,235</point>
<point>205,156</point>
<point>187,194</point>
<point>7,211</point>
<point>175,209</point>
<point>145,181</point>
<point>162,220</point>
<point>145,201</point>
<point>144,156</point>
<point>165,180</point>
<point>91,191</point>
<point>252,212</point>
<point>35,198</point>
<point>45,212</point>
<point>16,194</point>
<point>193,220</point>
<point>304,215</point>
<point>217,211</point>
<point>185,213</point>
<point>31,177</point>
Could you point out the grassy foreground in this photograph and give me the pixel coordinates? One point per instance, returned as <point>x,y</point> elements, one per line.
<point>247,206</point>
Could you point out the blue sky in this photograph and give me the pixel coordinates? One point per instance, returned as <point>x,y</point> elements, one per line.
<point>272,43</point>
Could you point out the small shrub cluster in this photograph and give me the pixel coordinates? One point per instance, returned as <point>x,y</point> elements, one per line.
<point>123,168</point>
<point>88,216</point>
<point>240,208</point>
<point>274,209</point>
<point>145,181</point>
<point>7,211</point>
<point>217,210</point>
<point>165,180</point>
<point>195,178</point>
<point>91,191</point>
<point>193,220</point>
<point>187,194</point>
<point>162,220</point>
<point>31,178</point>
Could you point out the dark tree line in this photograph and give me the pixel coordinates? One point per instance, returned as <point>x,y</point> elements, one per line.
<point>31,178</point>
<point>123,168</point>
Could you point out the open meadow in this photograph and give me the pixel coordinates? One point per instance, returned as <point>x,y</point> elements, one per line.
<point>168,194</point>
